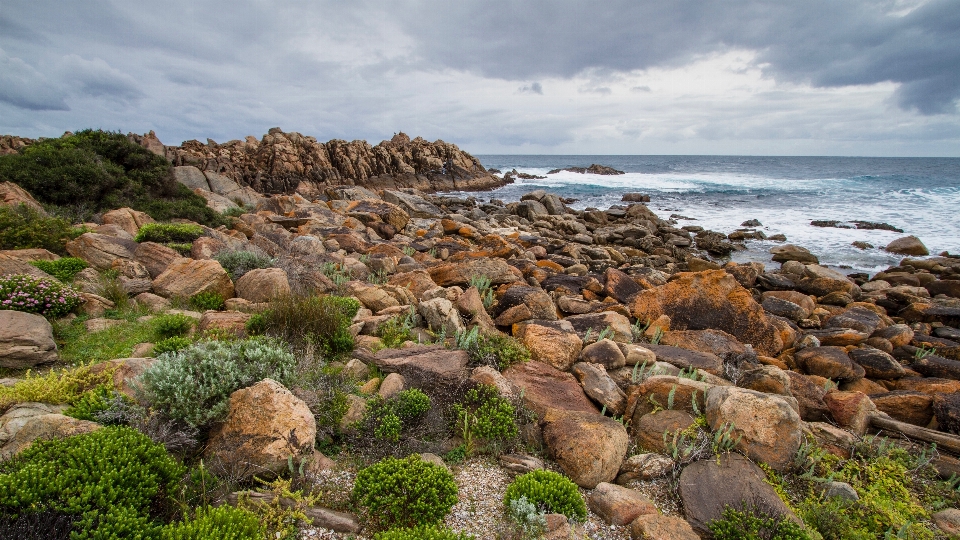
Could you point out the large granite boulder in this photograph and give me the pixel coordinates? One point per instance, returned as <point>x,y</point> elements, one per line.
<point>829,363</point>
<point>544,387</point>
<point>13,195</point>
<point>618,505</point>
<point>26,340</point>
<point>44,426</point>
<point>128,219</point>
<point>429,367</point>
<point>101,250</point>
<point>595,323</point>
<point>550,345</point>
<point>588,447</point>
<point>263,285</point>
<point>908,245</point>
<point>414,205</point>
<point>186,277</point>
<point>710,299</point>
<point>666,392</point>
<point>600,387</point>
<point>767,427</point>
<point>460,272</point>
<point>155,257</point>
<point>441,315</point>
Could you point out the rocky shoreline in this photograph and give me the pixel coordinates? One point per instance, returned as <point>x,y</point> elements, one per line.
<point>637,329</point>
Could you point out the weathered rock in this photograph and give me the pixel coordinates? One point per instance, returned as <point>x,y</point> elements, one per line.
<point>18,415</point>
<point>809,397</point>
<point>265,427</point>
<point>708,487</point>
<point>838,337</point>
<point>851,410</point>
<point>784,308</point>
<point>618,505</point>
<point>128,219</point>
<point>536,300</point>
<point>11,265</point>
<point>374,298</point>
<point>687,359</point>
<point>598,322</point>
<point>656,391</point>
<point>187,277</point>
<point>460,273</point>
<point>588,447</point>
<point>441,315</point>
<point>470,305</point>
<point>948,521</point>
<point>710,299</point>
<point>877,364</point>
<point>856,318</point>
<point>516,464</point>
<point>425,366</point>
<point>766,379</point>
<point>551,346</point>
<point>837,441</point>
<point>620,286</point>
<point>660,527</point>
<point>155,257</point>
<point>191,177</point>
<point>263,285</point>
<point>231,322</point>
<point>829,362</point>
<point>13,195</point>
<point>636,355</point>
<point>715,342</point>
<point>26,340</point>
<point>790,252</point>
<point>100,250</point>
<point>656,429</point>
<point>390,214</point>
<point>605,353</point>
<point>491,377</point>
<point>911,407</point>
<point>908,245</point>
<point>44,426</point>
<point>545,387</point>
<point>840,489</point>
<point>946,407</point>
<point>414,205</point>
<point>767,427</point>
<point>600,387</point>
<point>644,467</point>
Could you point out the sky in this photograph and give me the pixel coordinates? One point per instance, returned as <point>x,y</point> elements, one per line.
<point>742,77</point>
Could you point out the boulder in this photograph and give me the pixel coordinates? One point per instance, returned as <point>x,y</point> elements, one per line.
<point>660,527</point>
<point>44,426</point>
<point>125,372</point>
<point>617,505</point>
<point>655,429</point>
<point>797,298</point>
<point>13,195</point>
<point>948,521</point>
<point>605,353</point>
<point>809,396</point>
<point>11,265</point>
<point>600,387</point>
<point>155,257</point>
<point>589,448</point>
<point>829,362</point>
<point>184,278</point>
<point>101,250</point>
<point>551,346</point>
<point>26,340</point>
<point>428,367</point>
<point>850,410</point>
<point>17,415</point>
<point>857,318</point>
<point>374,298</point>
<point>266,426</point>
<point>767,427</point>
<point>460,272</point>
<point>489,376</point>
<point>911,407</point>
<point>656,392</point>
<point>946,407</point>
<point>790,252</point>
<point>441,315</point>
<point>784,308</point>
<point>388,213</point>
<point>231,322</point>
<point>644,467</point>
<point>710,299</point>
<point>128,219</point>
<point>715,342</point>
<point>544,387</point>
<point>708,487</point>
<point>263,285</point>
<point>636,355</point>
<point>766,379</point>
<point>908,245</point>
<point>620,286</point>
<point>414,205</point>
<point>534,299</point>
<point>877,364</point>
<point>598,322</point>
<point>191,177</point>
<point>687,359</point>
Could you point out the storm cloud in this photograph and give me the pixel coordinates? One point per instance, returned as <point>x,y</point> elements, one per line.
<point>622,76</point>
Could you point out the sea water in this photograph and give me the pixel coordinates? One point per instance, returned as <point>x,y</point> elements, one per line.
<point>919,195</point>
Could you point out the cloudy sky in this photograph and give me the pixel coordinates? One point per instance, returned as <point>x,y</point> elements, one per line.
<point>810,77</point>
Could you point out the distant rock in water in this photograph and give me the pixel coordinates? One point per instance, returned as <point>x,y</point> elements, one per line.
<point>863,225</point>
<point>523,176</point>
<point>635,197</point>
<point>285,162</point>
<point>593,169</point>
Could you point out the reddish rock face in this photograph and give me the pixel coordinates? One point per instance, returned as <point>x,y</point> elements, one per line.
<point>710,299</point>
<point>460,273</point>
<point>545,387</point>
<point>187,277</point>
<point>588,447</point>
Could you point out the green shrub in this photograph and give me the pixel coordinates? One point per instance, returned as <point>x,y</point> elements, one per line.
<point>64,268</point>
<point>227,522</point>
<point>256,325</point>
<point>116,480</point>
<point>55,387</point>
<point>234,212</point>
<point>22,227</point>
<point>322,321</point>
<point>42,296</point>
<point>552,492</point>
<point>194,384</point>
<point>483,418</point>
<point>498,350</point>
<point>180,247</point>
<point>238,263</point>
<point>171,344</point>
<point>754,524</point>
<point>202,301</point>
<point>91,403</point>
<point>99,170</point>
<point>406,492</point>
<point>388,417</point>
<point>163,233</point>
<point>427,532</point>
<point>172,325</point>
<point>396,330</point>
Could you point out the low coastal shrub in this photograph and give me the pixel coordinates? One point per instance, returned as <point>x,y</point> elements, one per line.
<point>164,233</point>
<point>22,227</point>
<point>322,321</point>
<point>426,532</point>
<point>94,170</point>
<point>395,331</point>
<point>91,403</point>
<point>484,419</point>
<point>207,300</point>
<point>550,491</point>
<point>238,263</point>
<point>405,492</point>
<point>64,268</point>
<point>172,325</point>
<point>115,480</point>
<point>497,350</point>
<point>752,523</point>
<point>388,417</point>
<point>193,384</point>
<point>42,296</point>
<point>256,325</point>
<point>227,522</point>
<point>56,387</point>
<point>170,344</point>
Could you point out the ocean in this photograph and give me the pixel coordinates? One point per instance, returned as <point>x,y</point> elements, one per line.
<point>919,195</point>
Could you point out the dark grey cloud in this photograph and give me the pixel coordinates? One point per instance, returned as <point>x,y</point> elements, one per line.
<point>535,88</point>
<point>23,86</point>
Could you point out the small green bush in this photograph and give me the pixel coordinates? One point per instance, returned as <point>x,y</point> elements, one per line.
<point>389,417</point>
<point>227,522</point>
<point>171,344</point>
<point>553,492</point>
<point>396,330</point>
<point>483,418</point>
<point>182,248</point>
<point>164,233</point>
<point>497,350</point>
<point>116,480</point>
<point>427,532</point>
<point>256,325</point>
<point>55,386</point>
<point>202,301</point>
<point>64,268</point>
<point>91,403</point>
<point>22,227</point>
<point>238,263</point>
<point>754,524</point>
<point>42,296</point>
<point>172,325</point>
<point>406,492</point>
<point>194,384</point>
<point>322,321</point>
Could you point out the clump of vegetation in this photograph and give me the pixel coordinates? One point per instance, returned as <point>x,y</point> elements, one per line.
<point>388,417</point>
<point>425,532</point>
<point>22,227</point>
<point>256,325</point>
<point>78,346</point>
<point>405,492</point>
<point>171,344</point>
<point>484,419</point>
<point>42,296</point>
<point>172,325</point>
<point>207,300</point>
<point>550,491</point>
<point>163,233</point>
<point>100,170</point>
<point>397,330</point>
<point>91,403</point>
<point>530,520</point>
<point>285,510</point>
<point>55,386</point>
<point>497,350</point>
<point>238,263</point>
<point>320,321</point>
<point>219,522</point>
<point>64,268</point>
<point>751,523</point>
<point>193,385</point>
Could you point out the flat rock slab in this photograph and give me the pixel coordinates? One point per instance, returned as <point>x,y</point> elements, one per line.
<point>545,387</point>
<point>427,366</point>
<point>687,359</point>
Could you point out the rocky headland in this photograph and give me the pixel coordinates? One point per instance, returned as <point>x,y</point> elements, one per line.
<point>667,383</point>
